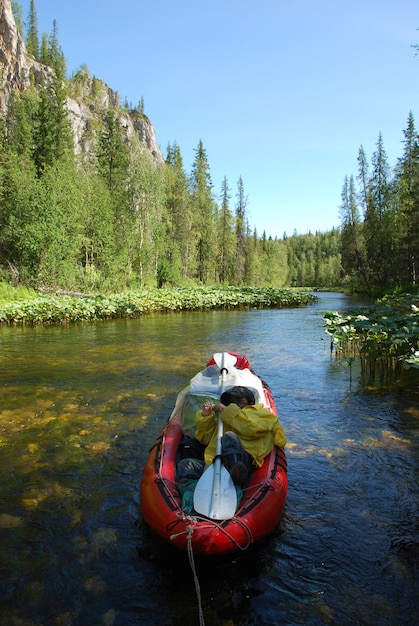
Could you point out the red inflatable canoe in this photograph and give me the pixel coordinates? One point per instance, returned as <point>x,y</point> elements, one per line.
<point>260,505</point>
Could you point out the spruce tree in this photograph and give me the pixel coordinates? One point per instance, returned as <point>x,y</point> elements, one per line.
<point>112,153</point>
<point>240,231</point>
<point>17,14</point>
<point>408,214</point>
<point>353,252</point>
<point>32,36</point>
<point>227,238</point>
<point>19,122</point>
<point>181,242</point>
<point>204,216</point>
<point>376,224</point>
<point>44,132</point>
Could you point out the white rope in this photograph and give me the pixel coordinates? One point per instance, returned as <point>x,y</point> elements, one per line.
<point>196,581</point>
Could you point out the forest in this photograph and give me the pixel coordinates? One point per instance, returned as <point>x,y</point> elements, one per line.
<point>111,220</point>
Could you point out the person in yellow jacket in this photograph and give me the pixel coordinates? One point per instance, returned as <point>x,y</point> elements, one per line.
<point>250,432</point>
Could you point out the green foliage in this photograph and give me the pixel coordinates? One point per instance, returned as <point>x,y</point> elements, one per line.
<point>109,218</point>
<point>314,259</point>
<point>8,293</point>
<point>17,14</point>
<point>385,336</point>
<point>49,309</point>
<point>32,38</point>
<point>112,154</point>
<point>380,251</point>
<point>204,213</point>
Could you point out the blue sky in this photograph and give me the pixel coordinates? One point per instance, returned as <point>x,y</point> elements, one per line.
<point>281,93</point>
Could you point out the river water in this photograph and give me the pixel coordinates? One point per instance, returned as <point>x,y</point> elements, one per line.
<point>81,406</point>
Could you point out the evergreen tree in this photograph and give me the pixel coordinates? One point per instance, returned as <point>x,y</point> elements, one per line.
<point>353,252</point>
<point>376,224</point>
<point>44,51</point>
<point>17,14</point>
<point>55,56</point>
<point>112,153</point>
<point>204,216</point>
<point>226,238</point>
<point>363,180</point>
<point>249,256</point>
<point>240,230</point>
<point>44,132</point>
<point>181,242</point>
<point>20,117</point>
<point>64,146</point>
<point>408,213</point>
<point>53,138</point>
<point>32,37</point>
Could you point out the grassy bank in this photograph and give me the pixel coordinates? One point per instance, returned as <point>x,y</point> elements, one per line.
<point>54,309</point>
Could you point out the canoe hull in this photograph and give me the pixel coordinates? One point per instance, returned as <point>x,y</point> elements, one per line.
<point>259,512</point>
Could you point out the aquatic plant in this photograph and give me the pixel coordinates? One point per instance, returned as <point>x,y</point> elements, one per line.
<point>50,309</point>
<point>384,336</point>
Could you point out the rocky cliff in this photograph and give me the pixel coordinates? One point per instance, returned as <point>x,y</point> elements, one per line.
<point>17,69</point>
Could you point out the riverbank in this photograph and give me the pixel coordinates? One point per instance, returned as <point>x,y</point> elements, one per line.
<point>38,308</point>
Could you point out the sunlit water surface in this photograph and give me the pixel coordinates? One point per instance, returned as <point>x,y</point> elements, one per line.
<point>82,405</point>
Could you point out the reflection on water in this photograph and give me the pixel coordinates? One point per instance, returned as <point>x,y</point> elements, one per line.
<point>80,408</point>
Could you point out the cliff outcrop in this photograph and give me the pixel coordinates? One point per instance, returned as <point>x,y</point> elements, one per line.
<point>18,70</point>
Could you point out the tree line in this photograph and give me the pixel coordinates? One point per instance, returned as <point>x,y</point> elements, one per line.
<point>110,219</point>
<point>380,218</point>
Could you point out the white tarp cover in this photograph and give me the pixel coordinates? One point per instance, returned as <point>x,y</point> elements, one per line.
<point>208,382</point>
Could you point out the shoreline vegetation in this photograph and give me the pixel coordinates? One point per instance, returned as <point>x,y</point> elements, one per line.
<point>384,336</point>
<point>31,308</point>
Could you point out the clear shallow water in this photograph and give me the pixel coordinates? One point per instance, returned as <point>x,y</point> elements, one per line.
<point>82,405</point>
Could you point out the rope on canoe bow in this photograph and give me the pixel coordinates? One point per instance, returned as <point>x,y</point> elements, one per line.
<point>193,519</point>
<point>189,532</point>
<point>195,577</point>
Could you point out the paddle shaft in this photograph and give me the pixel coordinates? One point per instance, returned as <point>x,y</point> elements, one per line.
<point>215,494</point>
<point>216,481</point>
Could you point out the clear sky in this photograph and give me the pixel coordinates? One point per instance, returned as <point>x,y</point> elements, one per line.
<point>281,92</point>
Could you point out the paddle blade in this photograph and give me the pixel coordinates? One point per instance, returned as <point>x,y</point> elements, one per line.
<point>215,495</point>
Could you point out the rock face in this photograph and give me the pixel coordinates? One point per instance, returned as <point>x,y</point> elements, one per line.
<point>17,69</point>
<point>15,65</point>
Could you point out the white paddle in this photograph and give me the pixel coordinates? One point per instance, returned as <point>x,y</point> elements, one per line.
<point>215,494</point>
